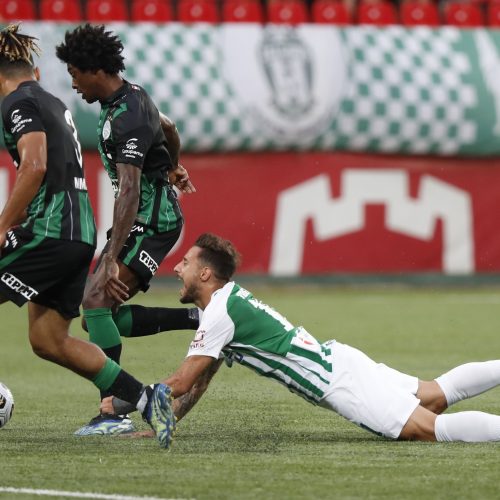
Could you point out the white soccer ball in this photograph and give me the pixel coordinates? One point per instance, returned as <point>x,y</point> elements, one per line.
<point>6,405</point>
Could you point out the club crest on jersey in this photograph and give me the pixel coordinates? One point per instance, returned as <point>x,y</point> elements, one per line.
<point>106,130</point>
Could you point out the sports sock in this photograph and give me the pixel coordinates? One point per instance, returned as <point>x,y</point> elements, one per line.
<point>471,379</point>
<point>103,332</point>
<point>139,321</point>
<point>113,380</point>
<point>468,426</point>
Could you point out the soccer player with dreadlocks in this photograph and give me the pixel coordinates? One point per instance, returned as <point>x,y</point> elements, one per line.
<point>47,231</point>
<point>139,148</point>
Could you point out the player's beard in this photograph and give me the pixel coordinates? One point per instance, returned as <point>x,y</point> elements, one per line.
<point>189,296</point>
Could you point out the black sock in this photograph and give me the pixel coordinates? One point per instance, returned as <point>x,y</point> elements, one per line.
<point>126,387</point>
<point>139,321</point>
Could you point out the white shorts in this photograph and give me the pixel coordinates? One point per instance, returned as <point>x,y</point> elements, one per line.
<point>371,395</point>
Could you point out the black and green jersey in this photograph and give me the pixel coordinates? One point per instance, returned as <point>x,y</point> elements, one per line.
<point>130,132</point>
<point>61,209</point>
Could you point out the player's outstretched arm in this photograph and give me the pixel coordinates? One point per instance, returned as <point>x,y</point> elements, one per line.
<point>173,139</point>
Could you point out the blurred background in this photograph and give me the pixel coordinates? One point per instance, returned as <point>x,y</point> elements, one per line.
<point>337,140</point>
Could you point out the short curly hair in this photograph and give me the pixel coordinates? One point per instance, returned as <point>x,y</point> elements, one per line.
<point>219,254</point>
<point>91,48</point>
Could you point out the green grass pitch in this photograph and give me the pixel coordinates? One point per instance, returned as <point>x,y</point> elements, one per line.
<point>249,437</point>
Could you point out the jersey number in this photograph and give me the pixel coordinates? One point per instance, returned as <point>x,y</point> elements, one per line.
<point>78,149</point>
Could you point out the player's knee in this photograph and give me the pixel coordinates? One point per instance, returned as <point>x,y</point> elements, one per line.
<point>420,426</point>
<point>432,396</point>
<point>43,349</point>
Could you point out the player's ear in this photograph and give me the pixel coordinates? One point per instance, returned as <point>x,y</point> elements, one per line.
<point>36,72</point>
<point>205,273</point>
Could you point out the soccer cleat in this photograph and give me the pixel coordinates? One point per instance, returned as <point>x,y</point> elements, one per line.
<point>106,424</point>
<point>160,415</point>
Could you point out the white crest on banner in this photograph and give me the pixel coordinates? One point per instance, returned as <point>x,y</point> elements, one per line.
<point>289,81</point>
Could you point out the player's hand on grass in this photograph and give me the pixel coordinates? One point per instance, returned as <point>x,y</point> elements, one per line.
<point>114,287</point>
<point>179,178</point>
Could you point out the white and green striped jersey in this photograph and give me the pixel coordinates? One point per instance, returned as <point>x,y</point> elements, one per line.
<point>243,329</point>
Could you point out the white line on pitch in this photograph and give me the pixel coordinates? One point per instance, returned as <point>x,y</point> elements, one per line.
<point>76,494</point>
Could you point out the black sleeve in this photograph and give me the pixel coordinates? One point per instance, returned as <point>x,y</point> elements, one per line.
<point>133,137</point>
<point>21,117</point>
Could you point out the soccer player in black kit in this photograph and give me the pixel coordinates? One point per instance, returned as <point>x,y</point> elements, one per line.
<point>47,231</point>
<point>139,149</point>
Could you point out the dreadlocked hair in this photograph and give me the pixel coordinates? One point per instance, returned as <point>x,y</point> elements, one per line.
<point>16,49</point>
<point>91,48</point>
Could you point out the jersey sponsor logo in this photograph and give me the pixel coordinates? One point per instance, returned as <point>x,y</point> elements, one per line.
<point>137,229</point>
<point>148,261</point>
<point>198,341</point>
<point>18,286</point>
<point>130,149</point>
<point>80,183</point>
<point>18,121</point>
<point>106,130</point>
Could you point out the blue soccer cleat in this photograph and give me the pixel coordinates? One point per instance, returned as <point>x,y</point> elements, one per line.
<point>160,415</point>
<point>106,424</point>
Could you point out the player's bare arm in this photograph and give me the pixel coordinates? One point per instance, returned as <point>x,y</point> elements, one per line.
<point>32,149</point>
<point>183,404</point>
<point>177,175</point>
<point>124,214</point>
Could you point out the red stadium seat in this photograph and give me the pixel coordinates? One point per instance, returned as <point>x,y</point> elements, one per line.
<point>242,11</point>
<point>17,10</point>
<point>197,11</point>
<point>494,14</point>
<point>330,12</point>
<point>415,13</point>
<point>106,10</point>
<point>157,11</point>
<point>378,13</point>
<point>463,15</point>
<point>60,10</point>
<point>286,12</point>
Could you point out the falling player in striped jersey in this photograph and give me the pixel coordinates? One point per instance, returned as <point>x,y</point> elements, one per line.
<point>238,327</point>
<point>47,230</point>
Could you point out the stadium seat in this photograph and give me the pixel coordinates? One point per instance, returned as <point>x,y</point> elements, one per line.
<point>156,11</point>
<point>60,10</point>
<point>17,10</point>
<point>494,14</point>
<point>330,12</point>
<point>416,13</point>
<point>463,15</point>
<point>197,11</point>
<point>106,10</point>
<point>242,11</point>
<point>287,12</point>
<point>378,13</point>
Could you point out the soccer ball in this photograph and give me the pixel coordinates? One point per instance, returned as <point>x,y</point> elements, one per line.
<point>6,404</point>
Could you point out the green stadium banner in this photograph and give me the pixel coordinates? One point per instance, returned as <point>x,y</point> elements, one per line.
<point>268,88</point>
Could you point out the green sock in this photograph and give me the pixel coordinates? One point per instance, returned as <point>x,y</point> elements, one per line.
<point>124,321</point>
<point>107,375</point>
<point>101,327</point>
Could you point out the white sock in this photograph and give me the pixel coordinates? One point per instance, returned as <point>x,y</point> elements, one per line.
<point>468,426</point>
<point>471,379</point>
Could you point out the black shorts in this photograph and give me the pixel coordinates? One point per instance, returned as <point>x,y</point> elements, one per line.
<point>144,251</point>
<point>45,271</point>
